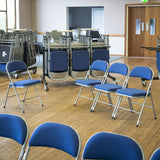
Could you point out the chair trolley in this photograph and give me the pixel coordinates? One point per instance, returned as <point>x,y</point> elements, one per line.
<point>65,58</point>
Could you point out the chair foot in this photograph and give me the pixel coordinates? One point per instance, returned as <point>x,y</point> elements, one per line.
<point>74,104</point>
<point>92,110</point>
<point>23,100</point>
<point>23,111</point>
<point>137,125</point>
<point>4,106</point>
<point>42,105</point>
<point>155,117</point>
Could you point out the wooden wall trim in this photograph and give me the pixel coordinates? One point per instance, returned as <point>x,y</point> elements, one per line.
<point>40,32</point>
<point>115,35</point>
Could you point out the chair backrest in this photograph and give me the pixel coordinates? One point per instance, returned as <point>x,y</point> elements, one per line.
<point>80,60</point>
<point>142,72</point>
<point>111,146</point>
<point>101,54</point>
<point>119,68</point>
<point>58,61</point>
<point>16,65</point>
<point>57,136</point>
<point>99,65</point>
<point>14,127</point>
<point>155,155</point>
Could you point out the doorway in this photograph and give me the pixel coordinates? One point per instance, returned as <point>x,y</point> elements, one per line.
<point>86,17</point>
<point>143,26</point>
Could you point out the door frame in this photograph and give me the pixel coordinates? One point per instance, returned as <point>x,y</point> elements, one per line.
<point>127,7</point>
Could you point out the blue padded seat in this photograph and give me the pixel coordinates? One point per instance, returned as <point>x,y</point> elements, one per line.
<point>101,54</point>
<point>158,61</point>
<point>109,146</point>
<point>25,83</point>
<point>88,82</point>
<point>132,92</point>
<point>80,60</point>
<point>14,127</point>
<point>58,61</point>
<point>156,155</point>
<point>3,67</point>
<point>57,136</point>
<point>108,87</point>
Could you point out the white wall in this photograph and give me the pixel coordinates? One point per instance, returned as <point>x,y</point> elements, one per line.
<point>25,14</point>
<point>47,15</point>
<point>51,14</point>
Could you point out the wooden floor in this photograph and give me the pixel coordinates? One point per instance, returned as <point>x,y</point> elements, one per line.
<point>59,108</point>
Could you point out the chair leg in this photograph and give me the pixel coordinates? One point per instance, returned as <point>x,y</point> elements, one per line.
<point>25,95</point>
<point>141,112</point>
<point>18,100</point>
<point>153,107</point>
<point>116,107</point>
<point>92,92</point>
<point>78,96</point>
<point>130,104</point>
<point>38,96</point>
<point>109,99</point>
<point>95,101</point>
<point>22,152</point>
<point>6,96</point>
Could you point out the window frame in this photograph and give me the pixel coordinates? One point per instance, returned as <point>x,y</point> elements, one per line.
<point>6,12</point>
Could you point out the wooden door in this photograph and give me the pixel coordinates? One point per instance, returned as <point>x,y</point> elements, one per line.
<point>152,29</point>
<point>143,29</point>
<point>136,33</point>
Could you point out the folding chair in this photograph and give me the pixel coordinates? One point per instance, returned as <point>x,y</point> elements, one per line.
<point>137,72</point>
<point>115,68</point>
<point>156,155</point>
<point>109,146</point>
<point>16,128</point>
<point>18,65</point>
<point>58,136</point>
<point>98,65</point>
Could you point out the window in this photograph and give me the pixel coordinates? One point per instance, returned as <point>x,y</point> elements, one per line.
<point>7,14</point>
<point>98,19</point>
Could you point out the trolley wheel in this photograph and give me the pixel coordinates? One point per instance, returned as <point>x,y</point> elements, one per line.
<point>34,71</point>
<point>16,76</point>
<point>144,83</point>
<point>41,79</point>
<point>46,87</point>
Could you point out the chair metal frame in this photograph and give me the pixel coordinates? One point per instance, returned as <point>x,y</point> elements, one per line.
<point>103,79</point>
<point>148,94</point>
<point>115,68</point>
<point>59,128</point>
<point>99,146</point>
<point>11,85</point>
<point>17,118</point>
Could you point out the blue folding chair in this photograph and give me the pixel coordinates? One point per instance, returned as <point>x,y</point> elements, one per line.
<point>98,65</point>
<point>115,68</point>
<point>18,65</point>
<point>137,72</point>
<point>16,128</point>
<point>156,155</point>
<point>58,136</point>
<point>109,146</point>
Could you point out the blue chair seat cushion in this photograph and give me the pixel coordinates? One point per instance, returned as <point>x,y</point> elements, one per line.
<point>107,87</point>
<point>25,83</point>
<point>131,92</point>
<point>87,82</point>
